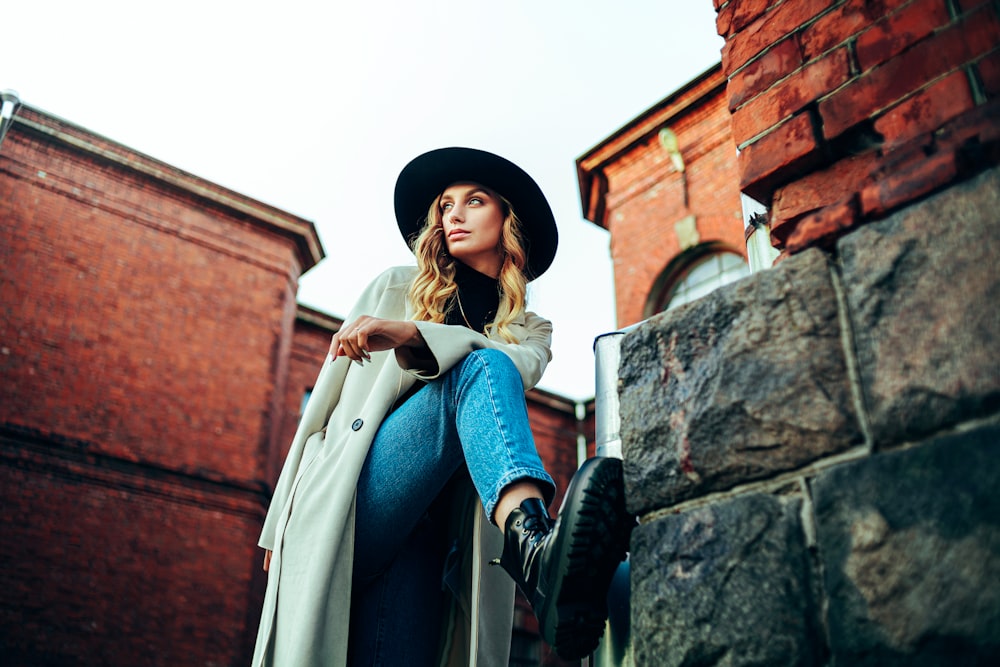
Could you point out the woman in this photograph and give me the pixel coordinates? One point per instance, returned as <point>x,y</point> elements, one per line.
<point>416,439</point>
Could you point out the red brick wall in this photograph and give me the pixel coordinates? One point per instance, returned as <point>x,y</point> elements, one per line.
<point>111,563</point>
<point>144,341</point>
<point>845,111</point>
<point>644,194</point>
<point>310,345</point>
<point>554,425</point>
<point>122,301</point>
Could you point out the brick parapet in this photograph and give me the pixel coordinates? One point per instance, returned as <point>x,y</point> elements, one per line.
<point>813,83</point>
<point>44,131</point>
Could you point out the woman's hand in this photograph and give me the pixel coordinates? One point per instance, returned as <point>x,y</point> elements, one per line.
<point>366,334</point>
<point>267,559</point>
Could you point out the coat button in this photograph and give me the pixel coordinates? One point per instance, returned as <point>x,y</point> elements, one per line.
<point>356,426</point>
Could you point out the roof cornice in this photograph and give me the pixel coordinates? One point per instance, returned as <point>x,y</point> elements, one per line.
<point>590,167</point>
<point>300,231</point>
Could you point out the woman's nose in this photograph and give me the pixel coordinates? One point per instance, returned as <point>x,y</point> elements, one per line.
<point>455,215</point>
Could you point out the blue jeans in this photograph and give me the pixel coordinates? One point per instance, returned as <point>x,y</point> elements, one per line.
<point>473,416</point>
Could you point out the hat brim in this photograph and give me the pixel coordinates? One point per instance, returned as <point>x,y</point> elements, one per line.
<point>428,175</point>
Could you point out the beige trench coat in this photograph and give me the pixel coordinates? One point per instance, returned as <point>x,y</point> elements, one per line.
<point>310,523</point>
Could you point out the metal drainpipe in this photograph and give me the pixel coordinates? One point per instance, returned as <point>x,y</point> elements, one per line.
<point>607,421</point>
<point>9,103</point>
<point>616,646</point>
<point>581,436</point>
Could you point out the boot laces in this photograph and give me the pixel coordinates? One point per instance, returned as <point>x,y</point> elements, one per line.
<point>537,527</point>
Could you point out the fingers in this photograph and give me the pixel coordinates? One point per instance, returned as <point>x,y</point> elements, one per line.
<point>358,339</point>
<point>352,340</point>
<point>352,346</point>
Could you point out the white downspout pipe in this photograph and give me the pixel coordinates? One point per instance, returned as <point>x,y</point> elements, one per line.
<point>615,649</point>
<point>9,103</point>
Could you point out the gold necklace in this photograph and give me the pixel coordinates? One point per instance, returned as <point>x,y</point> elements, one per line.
<point>458,297</point>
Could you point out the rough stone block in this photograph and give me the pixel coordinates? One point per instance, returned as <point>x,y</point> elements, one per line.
<point>910,545</point>
<point>921,289</point>
<point>744,383</point>
<point>727,584</point>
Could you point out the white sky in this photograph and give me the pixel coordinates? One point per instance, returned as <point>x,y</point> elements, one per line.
<point>314,107</point>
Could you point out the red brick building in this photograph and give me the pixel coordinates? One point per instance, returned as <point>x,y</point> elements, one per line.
<point>666,187</point>
<point>153,364</point>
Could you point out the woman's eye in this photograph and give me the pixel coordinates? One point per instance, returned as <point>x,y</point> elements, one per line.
<point>476,201</point>
<point>447,206</point>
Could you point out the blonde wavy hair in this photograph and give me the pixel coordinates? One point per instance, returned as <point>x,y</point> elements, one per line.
<point>432,293</point>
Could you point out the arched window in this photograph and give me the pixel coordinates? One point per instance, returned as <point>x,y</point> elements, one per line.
<point>695,273</point>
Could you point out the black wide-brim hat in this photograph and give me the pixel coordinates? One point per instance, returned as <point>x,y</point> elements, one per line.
<point>428,175</point>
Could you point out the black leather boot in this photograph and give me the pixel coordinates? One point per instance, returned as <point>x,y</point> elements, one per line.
<point>565,567</point>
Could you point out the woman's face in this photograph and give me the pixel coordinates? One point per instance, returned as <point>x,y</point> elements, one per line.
<point>472,216</point>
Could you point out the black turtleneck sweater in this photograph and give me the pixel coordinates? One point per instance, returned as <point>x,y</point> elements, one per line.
<point>479,295</point>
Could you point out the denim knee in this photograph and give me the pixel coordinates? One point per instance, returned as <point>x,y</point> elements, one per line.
<point>497,361</point>
<point>492,356</point>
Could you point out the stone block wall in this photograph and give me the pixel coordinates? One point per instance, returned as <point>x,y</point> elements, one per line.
<point>814,452</point>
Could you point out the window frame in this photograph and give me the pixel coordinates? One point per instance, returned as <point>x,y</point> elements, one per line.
<point>680,267</point>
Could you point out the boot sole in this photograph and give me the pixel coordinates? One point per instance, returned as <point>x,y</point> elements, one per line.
<point>597,529</point>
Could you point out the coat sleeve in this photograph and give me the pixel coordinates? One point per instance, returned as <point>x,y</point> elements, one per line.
<point>449,344</point>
